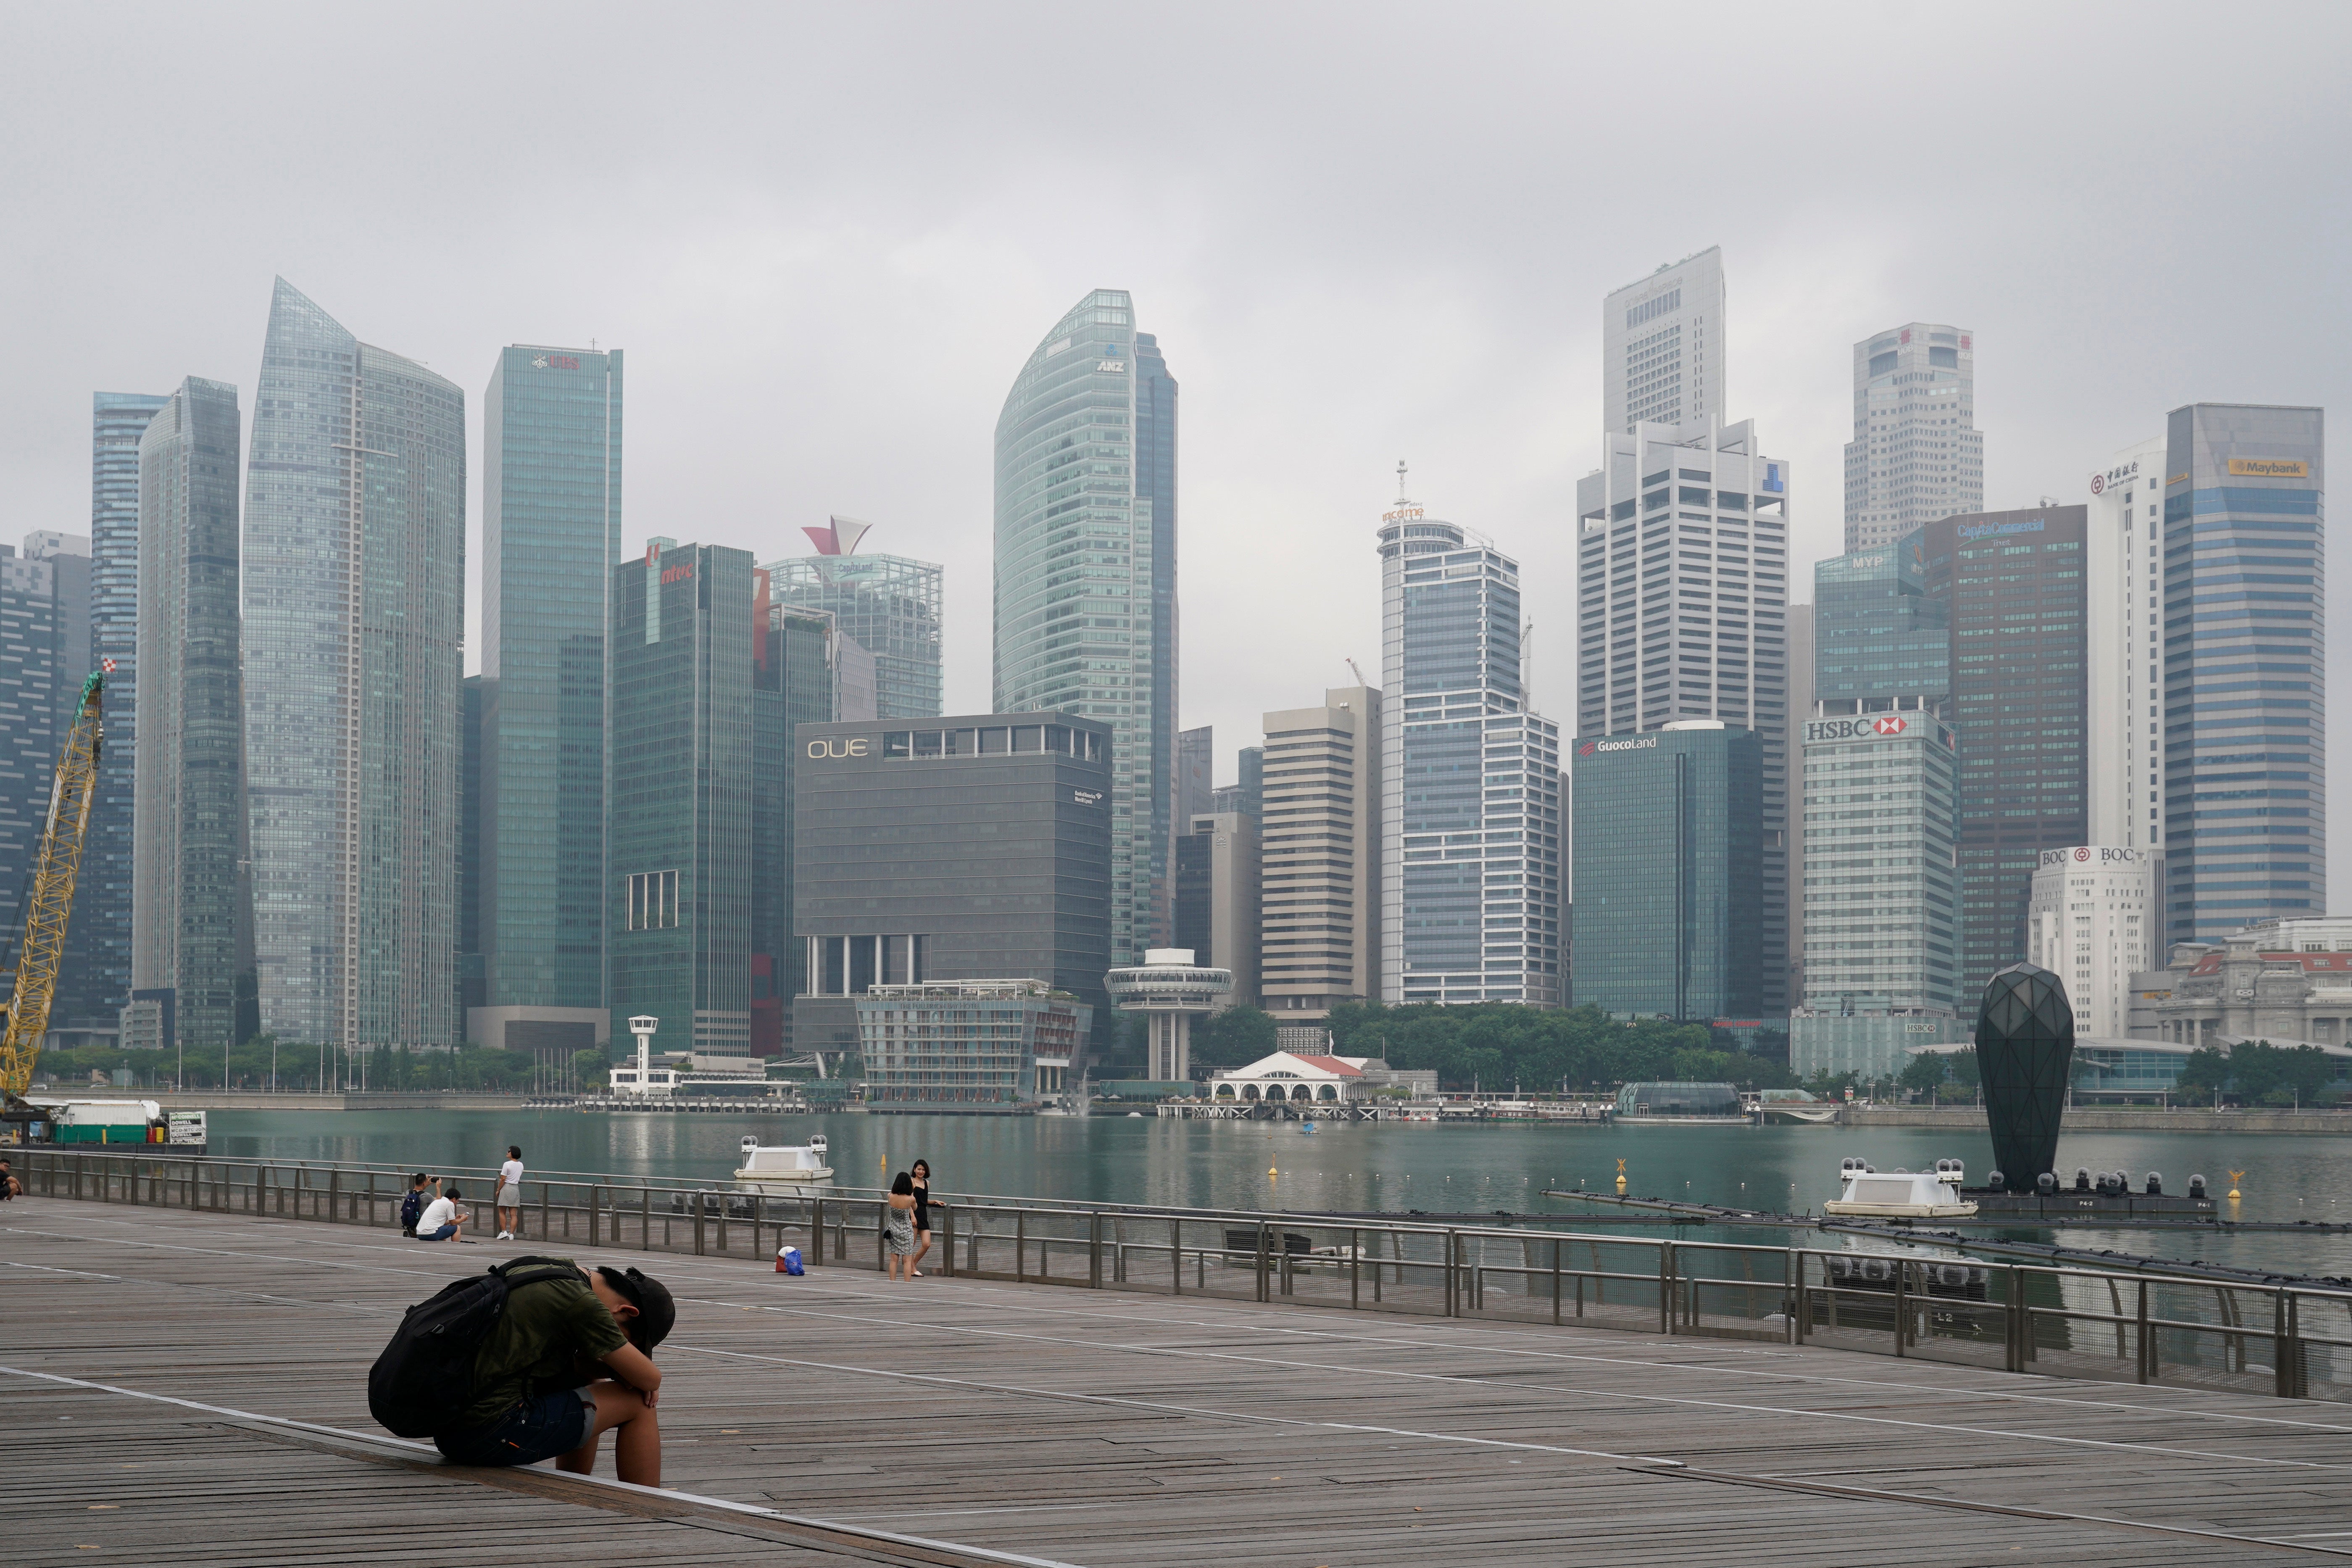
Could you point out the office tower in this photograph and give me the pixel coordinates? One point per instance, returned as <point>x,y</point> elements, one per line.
<point>1196,775</point>
<point>1217,872</point>
<point>56,570</point>
<point>30,736</point>
<point>793,682</point>
<point>1320,847</point>
<point>887,606</point>
<point>2093,919</point>
<point>2245,678</point>
<point>2012,583</point>
<point>975,850</point>
<point>1876,632</point>
<point>354,633</point>
<point>1670,872</point>
<point>2123,572</point>
<point>552,425</point>
<point>1916,454</point>
<point>1470,828</point>
<point>1662,347</point>
<point>682,839</point>
<point>96,975</point>
<point>191,918</point>
<point>1881,902</point>
<point>968,1046</point>
<point>1247,796</point>
<point>1682,613</point>
<point>473,990</point>
<point>1800,709</point>
<point>1086,576</point>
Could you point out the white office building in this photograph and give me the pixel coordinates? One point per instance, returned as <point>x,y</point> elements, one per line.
<point>1662,347</point>
<point>1882,908</point>
<point>1915,456</point>
<point>2123,572</point>
<point>1682,612</point>
<point>2091,921</point>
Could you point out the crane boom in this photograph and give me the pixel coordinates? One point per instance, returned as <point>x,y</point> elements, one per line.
<point>49,902</point>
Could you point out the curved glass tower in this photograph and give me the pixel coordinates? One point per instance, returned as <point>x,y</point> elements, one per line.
<point>1086,576</point>
<point>354,635</point>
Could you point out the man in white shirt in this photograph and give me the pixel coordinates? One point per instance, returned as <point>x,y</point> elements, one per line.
<point>510,1202</point>
<point>443,1220</point>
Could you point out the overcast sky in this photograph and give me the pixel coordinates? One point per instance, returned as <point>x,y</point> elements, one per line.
<point>828,237</point>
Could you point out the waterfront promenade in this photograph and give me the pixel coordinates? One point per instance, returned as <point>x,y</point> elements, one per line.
<point>1009,1421</point>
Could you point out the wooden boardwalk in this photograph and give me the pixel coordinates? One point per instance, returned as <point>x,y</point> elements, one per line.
<point>159,1368</point>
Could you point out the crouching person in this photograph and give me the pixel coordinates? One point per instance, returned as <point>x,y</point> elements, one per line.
<point>570,1359</point>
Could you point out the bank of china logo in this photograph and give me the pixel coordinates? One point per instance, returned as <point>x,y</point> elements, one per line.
<point>2098,483</point>
<point>1890,725</point>
<point>2081,854</point>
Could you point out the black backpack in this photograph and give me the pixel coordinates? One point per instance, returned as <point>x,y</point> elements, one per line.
<point>412,1209</point>
<point>424,1380</point>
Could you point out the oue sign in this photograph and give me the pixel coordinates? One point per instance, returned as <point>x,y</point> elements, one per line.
<point>857,746</point>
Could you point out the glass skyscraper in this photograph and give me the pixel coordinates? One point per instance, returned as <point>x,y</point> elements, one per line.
<point>190,918</point>
<point>683,807</point>
<point>1882,906</point>
<point>1470,826</point>
<point>1086,577</point>
<point>355,636</point>
<point>2245,682</point>
<point>1916,454</point>
<point>793,684</point>
<point>551,540</point>
<point>96,979</point>
<point>1670,872</point>
<point>1876,632</point>
<point>887,604</point>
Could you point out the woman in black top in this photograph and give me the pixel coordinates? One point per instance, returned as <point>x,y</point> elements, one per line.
<point>922,1174</point>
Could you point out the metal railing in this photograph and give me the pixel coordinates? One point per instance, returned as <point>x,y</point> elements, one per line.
<point>2063,1321</point>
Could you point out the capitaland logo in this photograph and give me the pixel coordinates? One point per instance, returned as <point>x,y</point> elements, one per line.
<point>852,746</point>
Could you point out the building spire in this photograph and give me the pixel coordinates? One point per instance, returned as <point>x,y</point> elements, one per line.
<point>1400,479</point>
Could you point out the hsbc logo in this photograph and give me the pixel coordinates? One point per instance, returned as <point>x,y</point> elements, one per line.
<point>1890,725</point>
<point>1886,726</point>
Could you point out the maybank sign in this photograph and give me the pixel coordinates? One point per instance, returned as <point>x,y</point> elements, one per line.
<point>2269,468</point>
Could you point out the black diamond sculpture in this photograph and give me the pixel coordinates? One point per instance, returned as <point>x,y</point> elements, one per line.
<point>2025,1045</point>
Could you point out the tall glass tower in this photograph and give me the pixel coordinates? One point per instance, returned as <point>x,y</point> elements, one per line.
<point>550,539</point>
<point>355,636</point>
<point>96,979</point>
<point>1916,454</point>
<point>190,918</point>
<point>1086,577</point>
<point>1470,824</point>
<point>887,604</point>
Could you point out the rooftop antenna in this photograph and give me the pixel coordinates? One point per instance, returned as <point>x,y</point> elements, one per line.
<point>1400,479</point>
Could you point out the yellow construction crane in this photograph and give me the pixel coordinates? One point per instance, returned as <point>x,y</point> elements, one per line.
<point>50,903</point>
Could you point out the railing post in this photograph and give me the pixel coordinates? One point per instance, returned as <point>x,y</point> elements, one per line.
<point>1355,1269</point>
<point>1261,1260</point>
<point>334,1193</point>
<point>645,1219</point>
<point>1453,1273</point>
<point>947,1241</point>
<point>2140,1337</point>
<point>698,1224</point>
<point>1902,1304</point>
<point>1094,1251</point>
<point>2282,1374</point>
<point>1665,1287</point>
<point>1555,1280</point>
<point>1021,1246</point>
<point>542,1211</point>
<point>595,1210</point>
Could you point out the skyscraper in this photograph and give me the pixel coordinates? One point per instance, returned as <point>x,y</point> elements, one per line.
<point>1086,576</point>
<point>552,425</point>
<point>1882,904</point>
<point>686,647</point>
<point>793,682</point>
<point>354,635</point>
<point>1916,454</point>
<point>1319,846</point>
<point>96,977</point>
<point>888,605</point>
<point>1682,613</point>
<point>1876,632</point>
<point>190,921</point>
<point>1662,347</point>
<point>2013,583</point>
<point>1470,822</point>
<point>1217,871</point>
<point>1248,796</point>
<point>33,653</point>
<point>2245,682</point>
<point>1670,872</point>
<point>1196,775</point>
<point>2124,575</point>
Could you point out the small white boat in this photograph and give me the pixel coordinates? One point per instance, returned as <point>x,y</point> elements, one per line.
<point>783,1170</point>
<point>1865,1192</point>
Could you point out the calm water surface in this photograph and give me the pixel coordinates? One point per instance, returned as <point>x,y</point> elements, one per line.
<point>1391,1167</point>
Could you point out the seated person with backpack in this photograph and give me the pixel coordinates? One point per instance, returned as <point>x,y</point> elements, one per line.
<point>536,1390</point>
<point>412,1207</point>
<point>443,1220</point>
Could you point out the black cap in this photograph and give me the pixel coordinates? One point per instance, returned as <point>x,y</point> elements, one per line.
<point>650,1297</point>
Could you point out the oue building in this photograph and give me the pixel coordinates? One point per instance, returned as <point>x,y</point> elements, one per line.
<point>969,848</point>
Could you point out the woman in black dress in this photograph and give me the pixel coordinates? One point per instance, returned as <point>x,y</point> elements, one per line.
<point>922,1174</point>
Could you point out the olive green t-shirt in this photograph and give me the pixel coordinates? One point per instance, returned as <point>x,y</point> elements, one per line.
<point>552,1333</point>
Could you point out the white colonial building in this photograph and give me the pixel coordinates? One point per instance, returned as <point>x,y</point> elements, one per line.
<point>1286,1075</point>
<point>2091,920</point>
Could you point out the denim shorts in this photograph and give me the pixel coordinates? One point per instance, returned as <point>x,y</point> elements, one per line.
<point>533,1430</point>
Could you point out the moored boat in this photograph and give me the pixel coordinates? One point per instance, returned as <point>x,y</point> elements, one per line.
<point>1867,1193</point>
<point>789,1170</point>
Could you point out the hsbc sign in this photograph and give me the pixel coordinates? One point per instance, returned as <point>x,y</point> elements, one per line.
<point>1883,727</point>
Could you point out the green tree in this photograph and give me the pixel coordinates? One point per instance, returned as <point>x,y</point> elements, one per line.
<point>1235,1037</point>
<point>1923,1073</point>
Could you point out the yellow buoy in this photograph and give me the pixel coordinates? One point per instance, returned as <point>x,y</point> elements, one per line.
<point>1620,1178</point>
<point>2235,1177</point>
<point>1272,1172</point>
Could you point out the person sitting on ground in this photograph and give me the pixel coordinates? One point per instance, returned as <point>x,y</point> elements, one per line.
<point>539,1394</point>
<point>412,1207</point>
<point>10,1188</point>
<point>443,1220</point>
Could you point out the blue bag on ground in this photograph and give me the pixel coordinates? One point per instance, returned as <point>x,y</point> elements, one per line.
<point>787,1261</point>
